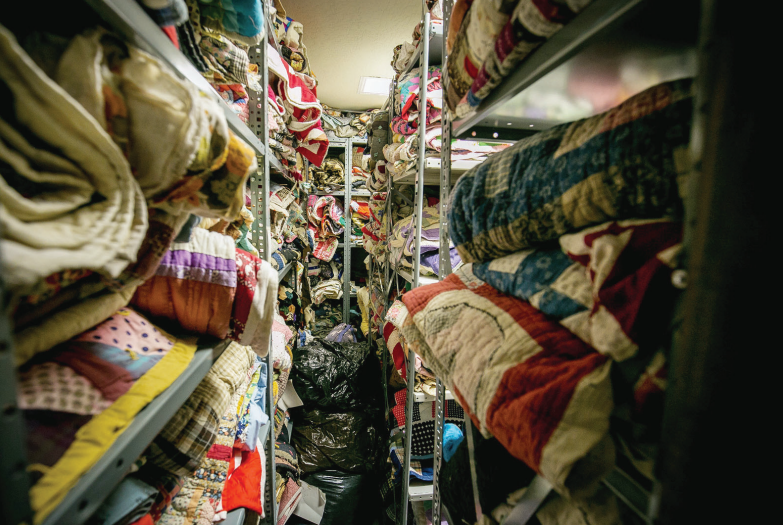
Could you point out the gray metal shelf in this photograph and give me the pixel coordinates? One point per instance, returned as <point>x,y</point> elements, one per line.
<point>96,485</point>
<point>435,54</point>
<point>130,20</point>
<point>597,20</point>
<point>281,273</point>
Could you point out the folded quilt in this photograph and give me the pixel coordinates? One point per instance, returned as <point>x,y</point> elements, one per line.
<point>524,378</point>
<point>629,162</point>
<point>184,441</point>
<point>195,284</point>
<point>211,287</point>
<point>200,496</point>
<point>532,23</point>
<point>73,202</point>
<point>64,458</point>
<point>598,281</point>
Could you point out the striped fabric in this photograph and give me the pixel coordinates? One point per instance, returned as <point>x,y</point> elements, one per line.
<point>183,443</point>
<point>596,282</point>
<point>522,377</point>
<point>629,162</point>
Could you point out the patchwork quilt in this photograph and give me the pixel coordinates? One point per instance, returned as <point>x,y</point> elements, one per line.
<point>609,285</point>
<point>524,378</point>
<point>629,162</point>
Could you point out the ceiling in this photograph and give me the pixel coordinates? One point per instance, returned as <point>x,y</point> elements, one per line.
<point>348,39</point>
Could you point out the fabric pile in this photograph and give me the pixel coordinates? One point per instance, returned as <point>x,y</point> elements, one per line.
<point>340,125</point>
<point>402,153</point>
<point>402,245</point>
<point>114,196</point>
<point>216,37</point>
<point>569,279</point>
<point>326,224</point>
<point>329,177</point>
<point>487,40</point>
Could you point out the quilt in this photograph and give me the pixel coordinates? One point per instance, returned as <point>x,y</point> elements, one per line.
<point>525,379</point>
<point>610,285</point>
<point>630,162</point>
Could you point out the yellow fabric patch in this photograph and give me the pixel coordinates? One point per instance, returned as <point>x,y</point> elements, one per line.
<point>95,438</point>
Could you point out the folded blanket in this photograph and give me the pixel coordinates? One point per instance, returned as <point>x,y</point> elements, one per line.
<point>531,24</point>
<point>86,444</point>
<point>598,282</point>
<point>69,200</point>
<point>541,391</point>
<point>182,444</point>
<point>629,162</point>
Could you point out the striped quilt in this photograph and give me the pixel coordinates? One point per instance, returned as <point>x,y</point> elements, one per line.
<point>609,285</point>
<point>524,378</point>
<point>626,163</point>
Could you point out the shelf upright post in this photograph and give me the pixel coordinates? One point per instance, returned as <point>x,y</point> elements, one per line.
<point>444,268</point>
<point>261,230</point>
<point>14,481</point>
<point>417,216</point>
<point>347,234</point>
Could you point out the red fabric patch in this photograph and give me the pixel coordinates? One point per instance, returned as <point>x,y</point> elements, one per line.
<point>243,487</point>
<point>417,300</point>
<point>220,452</point>
<point>246,289</point>
<point>533,396</point>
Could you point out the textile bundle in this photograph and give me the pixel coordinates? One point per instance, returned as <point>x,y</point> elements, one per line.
<point>493,38</point>
<point>402,243</point>
<point>328,177</point>
<point>326,223</point>
<point>423,427</point>
<point>540,390</point>
<point>236,291</point>
<point>629,162</point>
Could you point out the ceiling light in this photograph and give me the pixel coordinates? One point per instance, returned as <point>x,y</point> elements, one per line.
<point>374,86</point>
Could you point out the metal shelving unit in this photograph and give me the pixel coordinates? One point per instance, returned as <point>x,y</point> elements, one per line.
<point>620,33</point>
<point>346,194</point>
<point>130,21</point>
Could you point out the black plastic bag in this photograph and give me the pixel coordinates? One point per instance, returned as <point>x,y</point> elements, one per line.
<point>337,376</point>
<point>348,441</point>
<point>351,499</point>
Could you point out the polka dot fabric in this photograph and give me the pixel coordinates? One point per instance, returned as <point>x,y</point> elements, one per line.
<point>131,332</point>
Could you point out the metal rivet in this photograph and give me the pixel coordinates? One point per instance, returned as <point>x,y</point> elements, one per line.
<point>680,279</point>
